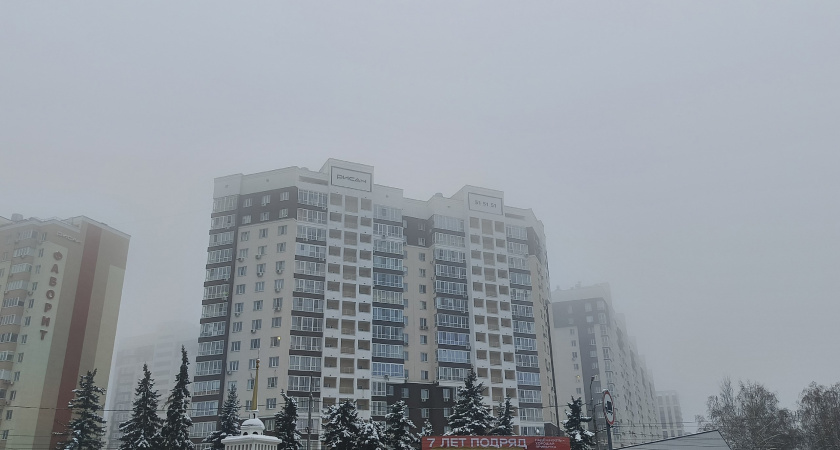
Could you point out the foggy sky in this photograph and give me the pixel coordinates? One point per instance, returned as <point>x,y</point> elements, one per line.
<point>685,152</point>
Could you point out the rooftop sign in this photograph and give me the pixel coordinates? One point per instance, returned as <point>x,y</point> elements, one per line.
<point>352,179</point>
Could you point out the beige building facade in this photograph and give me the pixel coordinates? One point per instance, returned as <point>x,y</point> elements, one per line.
<point>62,282</point>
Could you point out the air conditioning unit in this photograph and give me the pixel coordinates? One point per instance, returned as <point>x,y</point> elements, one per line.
<point>279,271</point>
<point>277,289</point>
<point>468,346</point>
<point>230,372</point>
<point>259,274</point>
<point>253,331</point>
<point>31,292</point>
<point>424,327</point>
<point>240,259</point>
<point>259,255</point>
<point>237,314</point>
<point>277,308</point>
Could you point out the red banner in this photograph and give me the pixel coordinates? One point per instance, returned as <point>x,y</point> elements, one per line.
<point>482,442</point>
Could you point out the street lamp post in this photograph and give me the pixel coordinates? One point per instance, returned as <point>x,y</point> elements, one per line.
<point>593,412</point>
<point>309,417</point>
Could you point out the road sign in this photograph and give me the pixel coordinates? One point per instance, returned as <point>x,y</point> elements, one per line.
<point>609,410</point>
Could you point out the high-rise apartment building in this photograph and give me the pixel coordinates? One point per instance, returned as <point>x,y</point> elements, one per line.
<point>593,352</point>
<point>347,290</point>
<point>670,414</point>
<point>62,283</point>
<point>161,350</point>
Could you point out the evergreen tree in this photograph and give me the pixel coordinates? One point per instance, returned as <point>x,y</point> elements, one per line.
<point>176,429</point>
<point>579,438</point>
<point>342,427</point>
<point>142,430</point>
<point>87,427</point>
<point>228,421</point>
<point>470,417</point>
<point>398,435</point>
<point>427,429</point>
<point>371,436</point>
<point>285,422</point>
<point>504,421</point>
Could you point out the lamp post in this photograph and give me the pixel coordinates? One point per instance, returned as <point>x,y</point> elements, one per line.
<point>309,417</point>
<point>593,412</point>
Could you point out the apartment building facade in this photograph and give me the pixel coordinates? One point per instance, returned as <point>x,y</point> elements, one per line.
<point>161,350</point>
<point>670,414</point>
<point>593,352</point>
<point>62,283</point>
<point>347,290</point>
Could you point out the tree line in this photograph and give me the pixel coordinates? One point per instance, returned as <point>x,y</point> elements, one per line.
<point>748,416</point>
<point>145,429</point>
<point>343,429</point>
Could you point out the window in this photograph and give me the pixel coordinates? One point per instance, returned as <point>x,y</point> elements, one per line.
<point>312,198</point>
<point>282,230</point>
<point>405,392</point>
<point>211,348</point>
<point>235,346</point>
<point>258,305</point>
<point>311,216</point>
<point>424,339</point>
<point>208,367</point>
<point>211,329</point>
<point>259,286</point>
<point>271,382</point>
<point>243,236</point>
<point>528,378</point>
<point>275,322</point>
<point>273,361</point>
<point>422,256</point>
<point>255,344</point>
<point>422,288</point>
<point>236,327</point>
<point>271,403</point>
<point>256,324</point>
<point>209,408</point>
<point>240,288</point>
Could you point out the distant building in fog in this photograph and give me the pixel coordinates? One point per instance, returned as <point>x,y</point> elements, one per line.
<point>161,350</point>
<point>670,414</point>
<point>592,348</point>
<point>61,283</point>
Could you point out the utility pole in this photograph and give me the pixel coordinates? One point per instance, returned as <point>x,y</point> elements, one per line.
<point>309,417</point>
<point>593,412</point>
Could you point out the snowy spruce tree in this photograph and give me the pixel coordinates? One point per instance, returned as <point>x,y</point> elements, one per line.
<point>504,420</point>
<point>142,430</point>
<point>579,438</point>
<point>470,417</point>
<point>398,435</point>
<point>285,422</point>
<point>87,426</point>
<point>176,428</point>
<point>342,427</point>
<point>228,421</point>
<point>427,429</point>
<point>371,436</point>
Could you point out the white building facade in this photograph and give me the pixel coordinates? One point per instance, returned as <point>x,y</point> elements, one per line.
<point>593,352</point>
<point>670,414</point>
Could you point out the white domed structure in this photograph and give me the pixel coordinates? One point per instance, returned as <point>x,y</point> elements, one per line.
<point>252,426</point>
